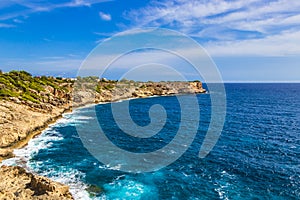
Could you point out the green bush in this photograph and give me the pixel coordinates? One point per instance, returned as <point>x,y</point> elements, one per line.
<point>36,86</point>
<point>23,85</point>
<point>4,81</point>
<point>27,96</point>
<point>8,93</point>
<point>109,87</point>
<point>98,89</point>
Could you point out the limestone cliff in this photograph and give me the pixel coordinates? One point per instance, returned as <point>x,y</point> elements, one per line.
<point>107,91</point>
<point>16,183</point>
<point>19,122</point>
<point>27,105</point>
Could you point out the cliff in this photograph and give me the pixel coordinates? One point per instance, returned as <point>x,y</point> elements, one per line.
<point>16,183</point>
<point>27,105</point>
<point>108,91</point>
<point>20,122</point>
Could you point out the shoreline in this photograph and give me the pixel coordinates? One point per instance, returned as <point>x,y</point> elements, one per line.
<point>32,134</point>
<point>38,130</point>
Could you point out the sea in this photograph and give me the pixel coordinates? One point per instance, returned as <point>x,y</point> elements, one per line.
<point>257,155</point>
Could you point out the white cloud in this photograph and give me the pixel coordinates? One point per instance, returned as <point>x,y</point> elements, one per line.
<point>105,16</point>
<point>286,43</point>
<point>17,21</point>
<point>28,7</point>
<point>188,15</point>
<point>184,13</point>
<point>242,27</point>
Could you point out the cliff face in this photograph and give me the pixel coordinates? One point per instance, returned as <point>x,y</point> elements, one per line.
<point>19,121</point>
<point>27,105</point>
<point>107,91</point>
<point>16,183</point>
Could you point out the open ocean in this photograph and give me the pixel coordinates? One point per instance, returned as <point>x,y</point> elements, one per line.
<point>257,155</point>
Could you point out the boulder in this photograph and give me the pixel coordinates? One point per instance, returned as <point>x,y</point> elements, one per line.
<point>16,183</point>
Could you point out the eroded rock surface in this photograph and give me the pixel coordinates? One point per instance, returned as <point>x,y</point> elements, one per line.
<point>114,91</point>
<point>16,183</point>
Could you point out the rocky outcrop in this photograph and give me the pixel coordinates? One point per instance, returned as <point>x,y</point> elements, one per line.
<point>27,106</point>
<point>16,183</point>
<point>19,123</point>
<point>168,88</point>
<point>114,91</point>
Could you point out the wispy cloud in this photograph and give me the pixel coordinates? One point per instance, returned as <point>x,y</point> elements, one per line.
<point>282,44</point>
<point>217,22</point>
<point>2,25</point>
<point>105,16</point>
<point>24,8</point>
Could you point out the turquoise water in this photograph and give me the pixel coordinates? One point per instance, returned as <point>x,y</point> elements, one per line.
<point>256,157</point>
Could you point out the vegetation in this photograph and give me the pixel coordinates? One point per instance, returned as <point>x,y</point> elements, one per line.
<point>24,86</point>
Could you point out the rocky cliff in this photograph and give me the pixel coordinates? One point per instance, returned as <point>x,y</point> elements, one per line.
<point>27,105</point>
<point>107,91</point>
<point>20,122</point>
<point>16,183</point>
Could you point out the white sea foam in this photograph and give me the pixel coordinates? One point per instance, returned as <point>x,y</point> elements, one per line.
<point>70,177</point>
<point>129,189</point>
<point>77,117</point>
<point>43,141</point>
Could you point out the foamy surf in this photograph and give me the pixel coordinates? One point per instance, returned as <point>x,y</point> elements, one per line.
<point>68,176</point>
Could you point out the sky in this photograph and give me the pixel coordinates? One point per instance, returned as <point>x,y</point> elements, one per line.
<point>249,41</point>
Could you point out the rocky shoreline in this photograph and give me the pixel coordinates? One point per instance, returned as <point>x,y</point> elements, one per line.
<point>21,120</point>
<point>20,123</point>
<point>16,183</point>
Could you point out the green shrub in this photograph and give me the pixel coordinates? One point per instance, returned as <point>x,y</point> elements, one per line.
<point>21,85</point>
<point>27,96</point>
<point>109,87</point>
<point>36,86</point>
<point>98,89</point>
<point>8,93</point>
<point>4,81</point>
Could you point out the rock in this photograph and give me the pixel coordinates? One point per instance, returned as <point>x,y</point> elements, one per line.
<point>16,183</point>
<point>94,190</point>
<point>197,87</point>
<point>17,121</point>
<point>15,99</point>
<point>6,153</point>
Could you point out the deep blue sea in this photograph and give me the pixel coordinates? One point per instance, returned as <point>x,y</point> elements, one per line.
<point>256,157</point>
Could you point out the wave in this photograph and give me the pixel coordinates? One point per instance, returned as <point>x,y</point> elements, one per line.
<point>68,176</point>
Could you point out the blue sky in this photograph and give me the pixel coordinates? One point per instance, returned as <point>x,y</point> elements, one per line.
<point>254,40</point>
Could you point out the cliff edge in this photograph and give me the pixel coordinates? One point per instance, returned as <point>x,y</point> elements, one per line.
<point>16,183</point>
